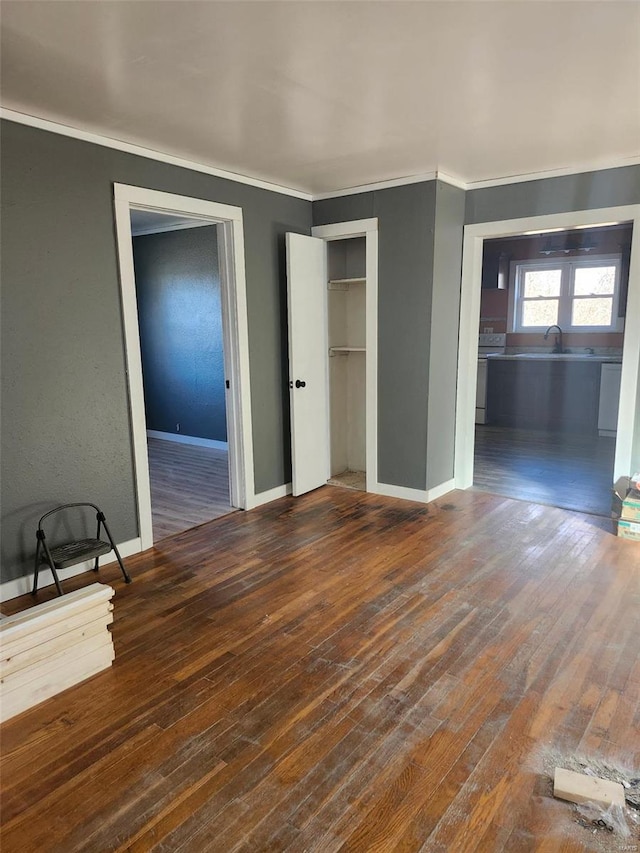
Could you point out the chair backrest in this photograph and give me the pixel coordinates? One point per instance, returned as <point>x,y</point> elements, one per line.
<point>99,513</point>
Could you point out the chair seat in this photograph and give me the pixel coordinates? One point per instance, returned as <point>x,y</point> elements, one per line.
<point>79,551</point>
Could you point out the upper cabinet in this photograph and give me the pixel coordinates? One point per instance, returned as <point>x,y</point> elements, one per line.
<point>495,267</point>
<point>499,253</point>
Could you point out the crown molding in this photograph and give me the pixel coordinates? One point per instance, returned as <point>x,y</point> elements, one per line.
<point>149,153</point>
<point>378,185</point>
<point>594,166</point>
<point>477,185</point>
<point>453,181</point>
<point>395,182</point>
<point>436,175</point>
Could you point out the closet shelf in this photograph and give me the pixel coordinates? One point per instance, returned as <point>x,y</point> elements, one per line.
<point>345,283</point>
<point>345,350</point>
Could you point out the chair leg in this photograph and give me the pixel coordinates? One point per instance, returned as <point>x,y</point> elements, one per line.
<point>36,570</point>
<point>96,565</point>
<point>52,566</point>
<point>57,580</point>
<point>127,578</point>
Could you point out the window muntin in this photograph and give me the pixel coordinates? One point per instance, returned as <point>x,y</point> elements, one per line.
<point>580,295</point>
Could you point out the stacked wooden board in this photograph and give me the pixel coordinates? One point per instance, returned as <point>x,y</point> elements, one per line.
<point>627,490</point>
<point>53,646</point>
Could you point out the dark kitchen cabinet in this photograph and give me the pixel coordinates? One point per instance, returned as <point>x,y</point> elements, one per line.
<point>495,269</point>
<point>546,394</point>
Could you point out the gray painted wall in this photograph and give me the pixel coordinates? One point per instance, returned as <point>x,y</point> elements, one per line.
<point>443,337</point>
<point>586,191</point>
<point>65,418</point>
<point>65,430</point>
<point>180,319</point>
<point>405,274</point>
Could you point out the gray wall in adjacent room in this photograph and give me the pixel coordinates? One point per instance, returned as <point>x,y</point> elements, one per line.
<point>405,276</point>
<point>180,318</point>
<point>65,429</point>
<point>443,337</point>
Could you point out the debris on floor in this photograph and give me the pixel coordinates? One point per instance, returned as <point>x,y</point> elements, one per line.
<point>583,788</point>
<point>615,819</point>
<point>590,827</point>
<point>606,798</point>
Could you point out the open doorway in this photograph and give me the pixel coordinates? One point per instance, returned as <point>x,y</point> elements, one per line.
<point>178,290</point>
<point>622,415</point>
<point>223,225</point>
<point>552,314</point>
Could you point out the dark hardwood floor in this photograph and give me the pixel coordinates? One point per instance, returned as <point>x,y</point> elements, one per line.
<point>556,468</point>
<point>189,486</point>
<point>343,672</point>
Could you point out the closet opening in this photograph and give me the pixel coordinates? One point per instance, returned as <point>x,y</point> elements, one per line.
<point>347,335</point>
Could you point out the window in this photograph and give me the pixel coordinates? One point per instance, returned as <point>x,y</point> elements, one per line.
<point>580,295</point>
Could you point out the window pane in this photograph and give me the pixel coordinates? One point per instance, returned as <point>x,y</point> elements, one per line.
<point>542,283</point>
<point>592,312</point>
<point>541,312</point>
<point>591,281</point>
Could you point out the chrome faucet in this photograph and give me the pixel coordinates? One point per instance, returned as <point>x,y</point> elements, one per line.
<point>557,348</point>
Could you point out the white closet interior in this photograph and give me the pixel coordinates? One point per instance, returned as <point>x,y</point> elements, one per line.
<point>347,301</point>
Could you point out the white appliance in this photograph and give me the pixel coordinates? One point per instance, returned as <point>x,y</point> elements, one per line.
<point>609,398</point>
<point>488,344</point>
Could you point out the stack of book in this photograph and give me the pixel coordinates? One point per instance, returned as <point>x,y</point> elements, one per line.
<point>53,646</point>
<point>629,521</point>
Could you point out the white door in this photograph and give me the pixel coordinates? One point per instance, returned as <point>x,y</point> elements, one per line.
<point>308,354</point>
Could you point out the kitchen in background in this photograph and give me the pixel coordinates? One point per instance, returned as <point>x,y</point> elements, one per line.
<point>549,361</point>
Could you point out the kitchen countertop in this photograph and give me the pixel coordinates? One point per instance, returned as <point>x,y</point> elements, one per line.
<point>553,356</point>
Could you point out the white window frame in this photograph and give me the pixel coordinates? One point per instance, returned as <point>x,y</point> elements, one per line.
<point>566,297</point>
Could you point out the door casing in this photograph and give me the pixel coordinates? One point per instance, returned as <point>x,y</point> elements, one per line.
<point>474,236</point>
<point>235,331</point>
<point>367,228</point>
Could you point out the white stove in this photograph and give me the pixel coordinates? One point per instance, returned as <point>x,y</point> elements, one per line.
<point>488,344</point>
<point>491,344</point>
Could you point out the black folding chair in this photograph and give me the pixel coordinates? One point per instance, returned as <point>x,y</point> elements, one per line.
<point>76,551</point>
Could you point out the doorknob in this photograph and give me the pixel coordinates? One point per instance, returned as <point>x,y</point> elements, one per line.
<point>300,383</point>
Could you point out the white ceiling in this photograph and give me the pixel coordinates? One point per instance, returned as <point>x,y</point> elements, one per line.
<point>322,96</point>
<point>154,222</point>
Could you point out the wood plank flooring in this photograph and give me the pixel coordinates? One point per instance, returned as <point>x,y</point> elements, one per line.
<point>189,486</point>
<point>560,469</point>
<point>343,672</point>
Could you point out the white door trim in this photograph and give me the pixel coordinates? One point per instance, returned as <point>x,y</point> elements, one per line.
<point>474,236</point>
<point>235,324</point>
<point>367,228</point>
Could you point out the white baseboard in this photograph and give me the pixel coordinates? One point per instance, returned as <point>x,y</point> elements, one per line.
<point>443,489</point>
<point>424,496</point>
<point>188,439</point>
<point>21,586</point>
<point>407,494</point>
<point>270,495</point>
